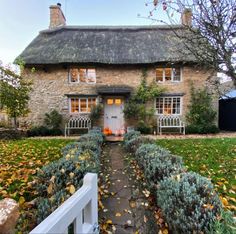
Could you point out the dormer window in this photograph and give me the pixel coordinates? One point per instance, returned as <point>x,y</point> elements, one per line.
<point>82,75</point>
<point>168,74</point>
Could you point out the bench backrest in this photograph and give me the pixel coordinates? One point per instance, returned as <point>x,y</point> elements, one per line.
<point>170,121</point>
<point>79,122</point>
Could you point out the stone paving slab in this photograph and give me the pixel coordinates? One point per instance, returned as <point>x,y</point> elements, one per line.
<point>126,218</point>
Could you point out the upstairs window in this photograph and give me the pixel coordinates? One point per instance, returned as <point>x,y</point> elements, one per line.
<point>81,105</point>
<point>82,75</point>
<point>169,106</point>
<point>168,74</point>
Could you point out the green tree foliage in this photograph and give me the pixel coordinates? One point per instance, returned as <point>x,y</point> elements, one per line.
<point>201,116</point>
<point>14,91</point>
<point>14,99</point>
<point>137,108</point>
<point>95,114</point>
<point>53,120</point>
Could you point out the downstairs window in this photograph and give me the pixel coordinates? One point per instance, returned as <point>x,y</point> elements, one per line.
<point>81,104</point>
<point>169,106</point>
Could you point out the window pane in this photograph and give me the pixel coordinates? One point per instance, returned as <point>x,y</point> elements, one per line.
<point>109,101</point>
<point>159,105</point>
<point>74,75</point>
<point>91,75</point>
<point>176,106</point>
<point>74,105</point>
<point>83,105</point>
<point>167,106</point>
<point>91,102</point>
<point>176,74</point>
<point>82,75</point>
<point>167,74</point>
<point>159,75</point>
<point>117,101</point>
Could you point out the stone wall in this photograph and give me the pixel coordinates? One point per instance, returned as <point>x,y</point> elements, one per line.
<point>50,87</point>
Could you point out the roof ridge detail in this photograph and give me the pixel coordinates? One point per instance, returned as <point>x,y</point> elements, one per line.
<point>113,28</point>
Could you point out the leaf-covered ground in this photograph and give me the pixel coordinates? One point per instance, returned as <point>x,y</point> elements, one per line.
<point>19,161</point>
<point>212,158</point>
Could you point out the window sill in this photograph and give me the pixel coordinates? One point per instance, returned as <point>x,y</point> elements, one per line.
<point>168,82</point>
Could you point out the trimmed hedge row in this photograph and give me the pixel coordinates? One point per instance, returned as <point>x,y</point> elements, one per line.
<point>188,200</point>
<point>58,180</point>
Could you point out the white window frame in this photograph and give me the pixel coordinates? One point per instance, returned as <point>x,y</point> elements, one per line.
<point>172,97</point>
<point>172,75</point>
<point>78,80</point>
<point>79,98</point>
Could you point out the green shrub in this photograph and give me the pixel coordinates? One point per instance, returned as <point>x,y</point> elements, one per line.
<point>58,180</point>
<point>131,134</point>
<point>201,129</point>
<point>92,136</point>
<point>95,114</point>
<point>144,128</point>
<point>11,135</point>
<point>53,120</point>
<point>5,124</point>
<point>188,202</point>
<point>201,116</point>
<point>160,167</point>
<point>47,206</point>
<point>43,131</point>
<point>58,174</point>
<point>148,151</point>
<point>224,224</point>
<point>133,144</point>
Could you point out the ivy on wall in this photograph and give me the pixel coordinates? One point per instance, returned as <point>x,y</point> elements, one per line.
<point>137,106</point>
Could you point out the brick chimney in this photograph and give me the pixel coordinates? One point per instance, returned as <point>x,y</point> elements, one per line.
<point>57,17</point>
<point>186,17</point>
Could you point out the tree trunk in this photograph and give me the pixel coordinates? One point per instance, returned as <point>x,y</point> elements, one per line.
<point>15,123</point>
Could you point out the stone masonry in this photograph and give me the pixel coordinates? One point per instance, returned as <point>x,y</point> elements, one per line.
<point>51,85</point>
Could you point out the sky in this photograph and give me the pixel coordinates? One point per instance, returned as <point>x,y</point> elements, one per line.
<point>21,20</point>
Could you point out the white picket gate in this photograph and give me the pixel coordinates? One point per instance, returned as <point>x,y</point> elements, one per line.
<point>81,209</point>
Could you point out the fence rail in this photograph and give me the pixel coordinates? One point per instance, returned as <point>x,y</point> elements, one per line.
<point>80,209</point>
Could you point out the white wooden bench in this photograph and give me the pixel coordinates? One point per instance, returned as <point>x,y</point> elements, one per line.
<point>77,122</point>
<point>170,121</point>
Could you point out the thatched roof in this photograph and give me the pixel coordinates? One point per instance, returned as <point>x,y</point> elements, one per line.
<point>106,45</point>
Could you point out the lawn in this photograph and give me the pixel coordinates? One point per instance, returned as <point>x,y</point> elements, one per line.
<point>19,162</point>
<point>212,158</point>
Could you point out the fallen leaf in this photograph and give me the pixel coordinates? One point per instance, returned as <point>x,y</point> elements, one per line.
<point>109,221</point>
<point>72,189</point>
<point>21,200</point>
<point>132,204</point>
<point>50,188</point>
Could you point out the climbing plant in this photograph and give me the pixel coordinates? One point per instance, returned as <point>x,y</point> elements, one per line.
<point>201,117</point>
<point>137,106</point>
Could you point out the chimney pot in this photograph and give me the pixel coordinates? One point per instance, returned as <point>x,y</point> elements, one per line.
<point>186,17</point>
<point>57,17</point>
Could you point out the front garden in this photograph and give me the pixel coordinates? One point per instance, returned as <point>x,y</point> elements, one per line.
<point>212,158</point>
<point>38,172</point>
<point>42,174</point>
<point>188,201</point>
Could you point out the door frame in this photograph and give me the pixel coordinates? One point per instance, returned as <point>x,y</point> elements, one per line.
<point>105,104</point>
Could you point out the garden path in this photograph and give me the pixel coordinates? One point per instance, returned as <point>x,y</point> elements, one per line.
<point>125,209</point>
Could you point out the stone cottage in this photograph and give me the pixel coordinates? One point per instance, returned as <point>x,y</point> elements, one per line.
<point>79,66</point>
